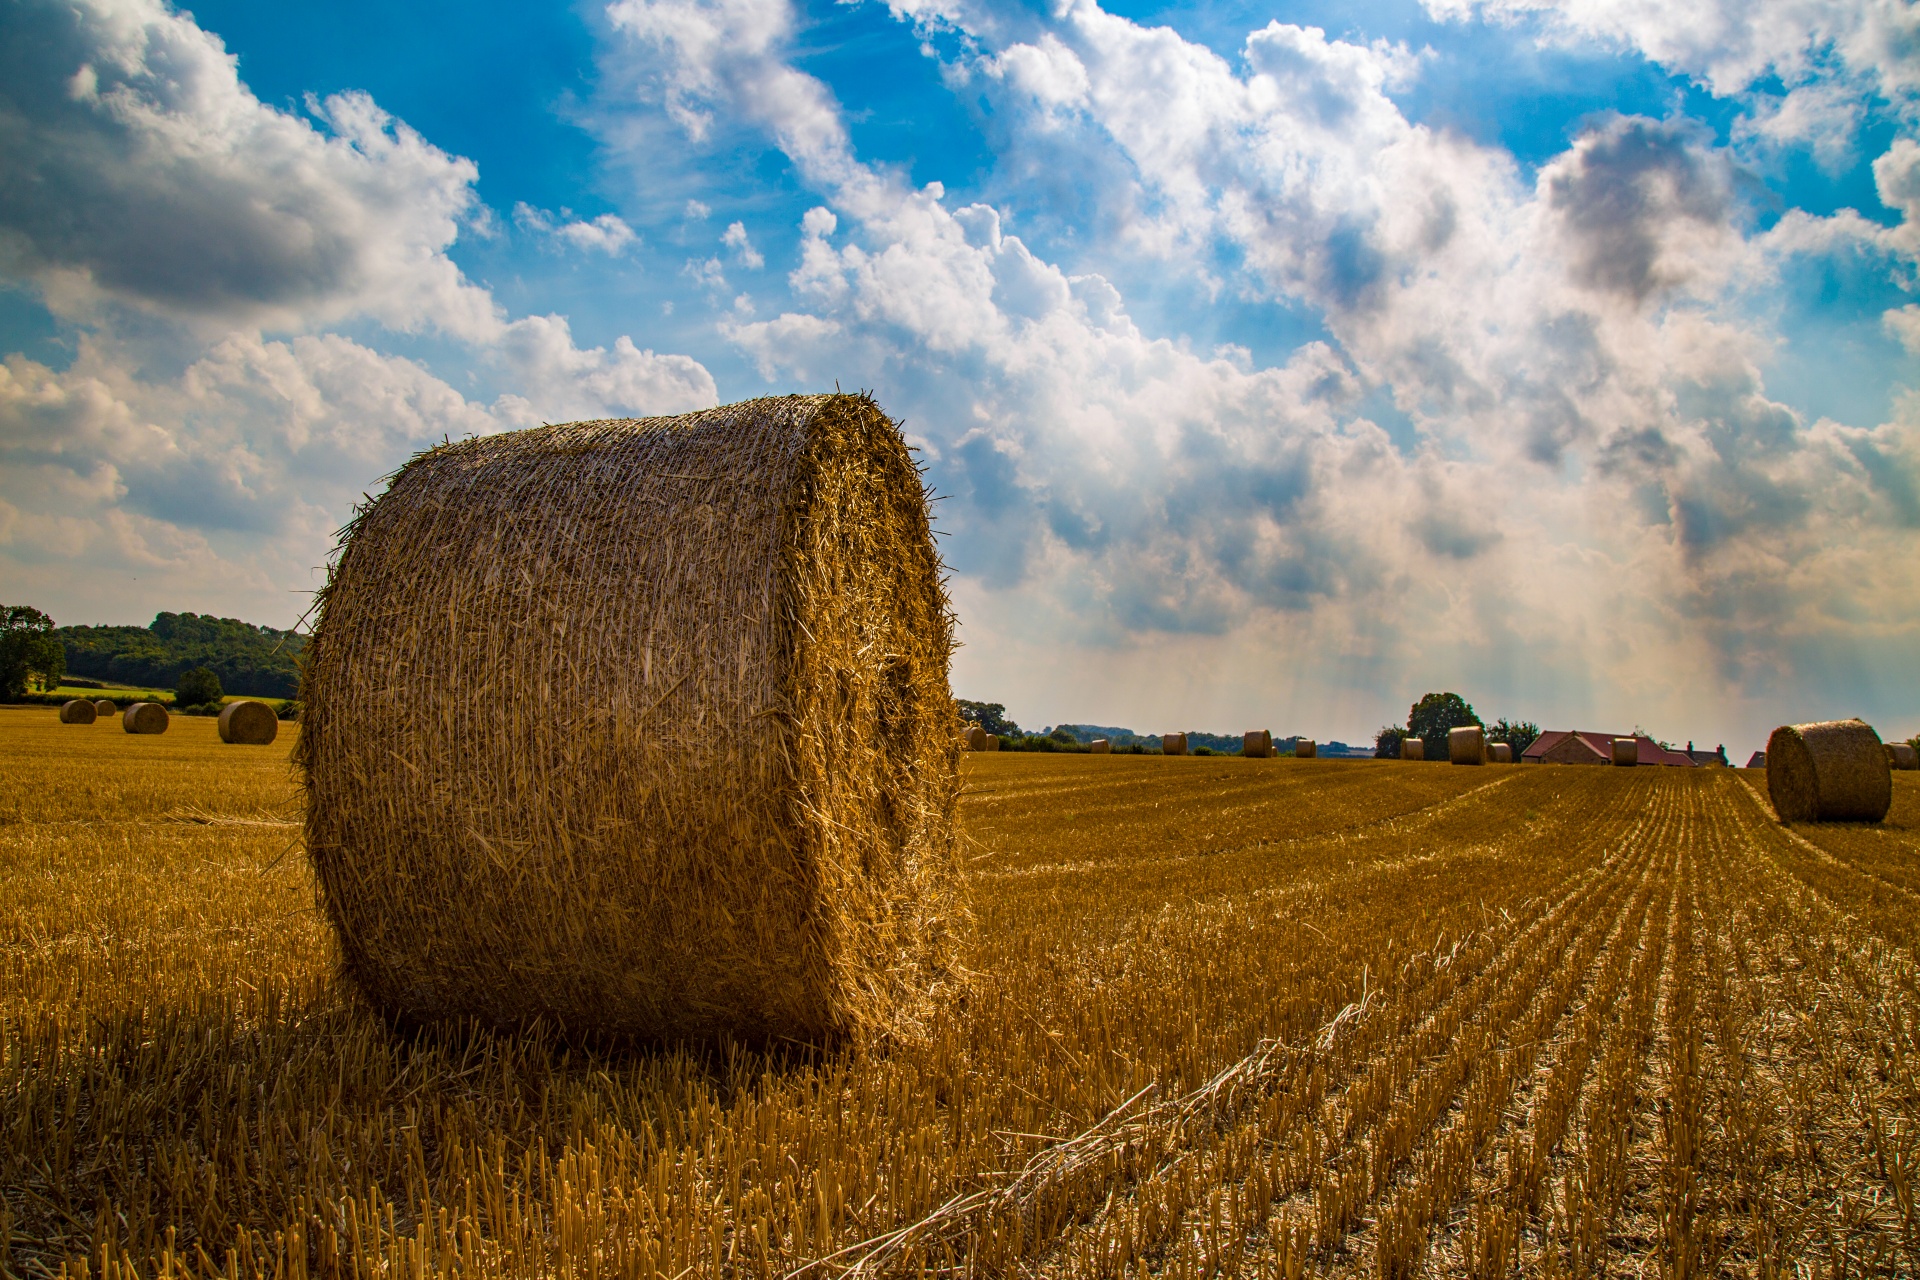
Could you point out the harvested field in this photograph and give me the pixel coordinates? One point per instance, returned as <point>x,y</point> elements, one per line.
<point>1230,1017</point>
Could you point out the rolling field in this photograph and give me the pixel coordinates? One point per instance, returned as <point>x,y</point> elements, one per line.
<point>1229,1017</point>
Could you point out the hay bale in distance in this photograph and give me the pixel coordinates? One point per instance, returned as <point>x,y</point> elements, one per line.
<point>1500,753</point>
<point>1257,744</point>
<point>1828,771</point>
<point>1173,744</point>
<point>1305,749</point>
<point>144,717</point>
<point>1413,749</point>
<point>248,723</point>
<point>1901,755</point>
<point>742,829</point>
<point>78,711</point>
<point>1626,752</point>
<point>1100,747</point>
<point>979,739</point>
<point>1467,745</point>
<point>105,707</point>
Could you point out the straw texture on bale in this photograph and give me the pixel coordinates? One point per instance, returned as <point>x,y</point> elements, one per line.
<point>1305,748</point>
<point>643,727</point>
<point>1257,744</point>
<point>1173,744</point>
<point>1626,751</point>
<point>248,723</point>
<point>979,739</point>
<point>78,711</point>
<point>1413,749</point>
<point>1829,771</point>
<point>1901,755</point>
<point>105,707</point>
<point>1500,752</point>
<point>1467,745</point>
<point>144,717</point>
<point>1100,747</point>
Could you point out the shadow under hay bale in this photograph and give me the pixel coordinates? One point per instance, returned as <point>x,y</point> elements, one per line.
<point>1413,749</point>
<point>248,723</point>
<point>1257,744</point>
<point>741,828</point>
<point>1828,771</point>
<point>78,711</point>
<point>145,717</point>
<point>1467,745</point>
<point>1173,744</point>
<point>1626,752</point>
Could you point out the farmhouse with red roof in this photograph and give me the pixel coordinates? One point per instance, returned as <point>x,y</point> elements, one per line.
<point>1578,746</point>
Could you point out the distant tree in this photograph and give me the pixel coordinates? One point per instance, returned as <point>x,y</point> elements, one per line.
<point>1064,737</point>
<point>1431,718</point>
<point>1518,734</point>
<point>197,688</point>
<point>991,716</point>
<point>1386,743</point>
<point>29,652</point>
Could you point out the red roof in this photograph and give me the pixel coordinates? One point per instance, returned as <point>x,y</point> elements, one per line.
<point>1651,752</point>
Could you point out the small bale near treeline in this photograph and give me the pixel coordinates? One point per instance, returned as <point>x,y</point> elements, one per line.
<point>78,711</point>
<point>642,727</point>
<point>144,717</point>
<point>1413,749</point>
<point>248,723</point>
<point>1500,753</point>
<point>1467,744</point>
<point>1305,749</point>
<point>1626,752</point>
<point>1173,744</point>
<point>106,707</point>
<point>1901,755</point>
<point>1100,747</point>
<point>1828,771</point>
<point>1257,744</point>
<point>979,739</point>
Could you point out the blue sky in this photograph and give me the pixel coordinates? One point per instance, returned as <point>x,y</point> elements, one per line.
<point>1282,361</point>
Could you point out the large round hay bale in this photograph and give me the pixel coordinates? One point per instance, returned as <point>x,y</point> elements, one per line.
<point>979,739</point>
<point>1901,755</point>
<point>1173,744</point>
<point>1257,744</point>
<point>144,717</point>
<point>1626,752</point>
<point>1413,749</point>
<point>78,711</point>
<point>1305,748</point>
<point>105,707</point>
<point>1100,747</point>
<point>1500,752</point>
<point>1829,771</point>
<point>642,726</point>
<point>248,723</point>
<point>1467,745</point>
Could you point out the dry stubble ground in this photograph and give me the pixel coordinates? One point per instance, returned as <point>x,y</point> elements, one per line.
<point>1231,1017</point>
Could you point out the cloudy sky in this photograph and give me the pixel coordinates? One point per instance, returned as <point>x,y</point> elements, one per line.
<point>1279,361</point>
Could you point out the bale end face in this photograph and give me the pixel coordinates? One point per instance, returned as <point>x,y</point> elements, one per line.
<point>1257,744</point>
<point>248,723</point>
<point>78,711</point>
<point>145,717</point>
<point>1413,749</point>
<point>1467,745</point>
<point>1173,744</point>
<point>1626,751</point>
<point>978,739</point>
<point>105,707</point>
<point>1828,771</point>
<point>1305,749</point>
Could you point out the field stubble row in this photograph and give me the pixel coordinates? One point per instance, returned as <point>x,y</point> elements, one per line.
<point>1229,1017</point>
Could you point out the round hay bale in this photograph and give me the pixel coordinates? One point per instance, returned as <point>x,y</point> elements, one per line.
<point>979,739</point>
<point>1829,771</point>
<point>1901,755</point>
<point>1626,752</point>
<point>144,717</point>
<point>1467,745</point>
<point>1173,744</point>
<point>1305,748</point>
<point>1100,747</point>
<point>1413,749</point>
<point>78,711</point>
<point>742,829</point>
<point>248,723</point>
<point>1500,753</point>
<point>105,707</point>
<point>1257,744</point>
